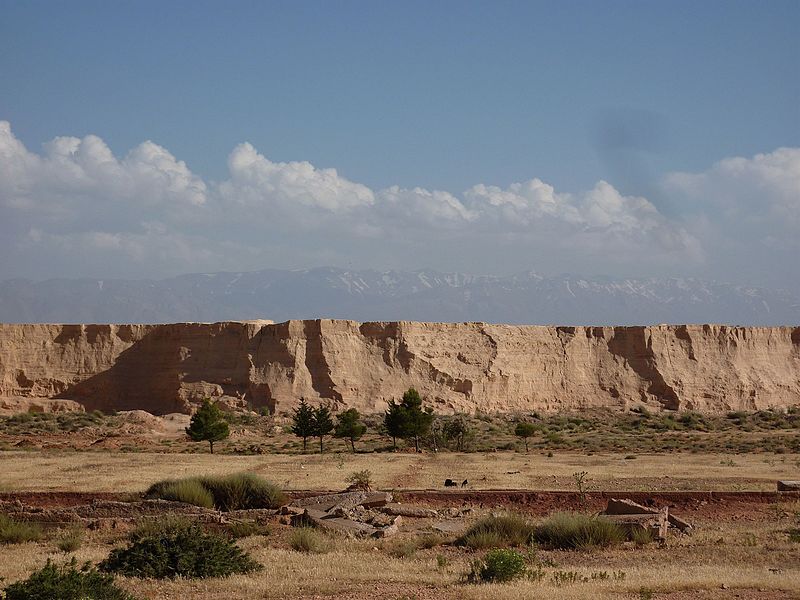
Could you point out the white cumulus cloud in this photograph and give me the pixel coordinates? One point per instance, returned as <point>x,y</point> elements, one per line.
<point>74,176</point>
<point>260,184</point>
<point>76,202</point>
<point>764,187</point>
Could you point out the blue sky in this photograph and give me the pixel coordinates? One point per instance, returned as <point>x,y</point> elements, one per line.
<point>430,95</point>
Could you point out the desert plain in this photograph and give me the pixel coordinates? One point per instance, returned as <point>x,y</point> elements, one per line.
<point>701,421</point>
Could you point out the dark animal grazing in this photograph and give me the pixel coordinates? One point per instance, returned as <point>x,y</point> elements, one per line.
<point>450,483</point>
<point>464,483</point>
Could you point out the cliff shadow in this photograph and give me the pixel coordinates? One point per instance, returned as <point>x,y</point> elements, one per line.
<point>633,345</point>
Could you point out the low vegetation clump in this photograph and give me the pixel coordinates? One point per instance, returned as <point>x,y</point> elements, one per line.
<point>18,532</point>
<point>178,549</point>
<point>642,537</point>
<point>496,531</point>
<point>70,540</point>
<point>66,582</point>
<point>570,531</point>
<point>230,492</point>
<point>307,539</point>
<point>360,480</point>
<point>190,491</point>
<point>639,430</point>
<point>38,423</point>
<point>498,566</point>
<point>407,547</point>
<point>243,529</point>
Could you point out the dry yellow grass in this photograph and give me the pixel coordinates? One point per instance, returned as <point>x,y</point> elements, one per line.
<point>364,569</point>
<point>120,472</point>
<point>753,553</point>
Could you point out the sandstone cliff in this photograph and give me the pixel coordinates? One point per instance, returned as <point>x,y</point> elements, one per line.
<point>456,366</point>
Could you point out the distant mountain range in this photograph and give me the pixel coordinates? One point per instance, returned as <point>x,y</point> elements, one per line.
<point>367,295</point>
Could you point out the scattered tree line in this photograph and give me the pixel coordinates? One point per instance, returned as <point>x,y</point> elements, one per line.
<point>318,422</point>
<point>406,419</point>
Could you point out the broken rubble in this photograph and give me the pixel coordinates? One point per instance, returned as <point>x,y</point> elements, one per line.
<point>327,502</point>
<point>655,523</point>
<point>404,510</point>
<point>629,507</point>
<point>449,527</point>
<point>349,513</point>
<point>622,507</point>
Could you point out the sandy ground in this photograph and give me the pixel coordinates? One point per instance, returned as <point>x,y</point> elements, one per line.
<point>130,472</point>
<point>737,550</point>
<point>740,548</point>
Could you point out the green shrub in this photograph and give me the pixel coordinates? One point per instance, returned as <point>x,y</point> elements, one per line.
<point>71,540</point>
<point>360,480</point>
<point>190,491</point>
<point>229,492</point>
<point>307,539</point>
<point>481,540</point>
<point>642,537</point>
<point>158,526</point>
<point>575,530</point>
<point>493,531</point>
<point>176,549</point>
<point>67,582</point>
<point>242,491</point>
<point>498,566</point>
<point>18,532</point>
<point>243,529</point>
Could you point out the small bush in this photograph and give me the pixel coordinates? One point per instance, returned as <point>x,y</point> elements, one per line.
<point>190,491</point>
<point>498,566</point>
<point>71,540</point>
<point>482,540</point>
<point>576,531</point>
<point>67,582</point>
<point>229,492</point>
<point>175,549</point>
<point>642,537</point>
<point>156,527</point>
<point>360,480</point>
<point>18,532</point>
<point>306,539</point>
<point>407,547</point>
<point>430,540</point>
<point>560,578</point>
<point>503,530</point>
<point>404,548</point>
<point>245,529</point>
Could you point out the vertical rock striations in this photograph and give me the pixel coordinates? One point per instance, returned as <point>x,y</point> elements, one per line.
<point>456,366</point>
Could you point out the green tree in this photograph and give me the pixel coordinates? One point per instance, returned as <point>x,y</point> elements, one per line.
<point>416,420</point>
<point>393,421</point>
<point>323,423</point>
<point>208,424</point>
<point>525,430</point>
<point>349,426</point>
<point>457,429</point>
<point>303,422</point>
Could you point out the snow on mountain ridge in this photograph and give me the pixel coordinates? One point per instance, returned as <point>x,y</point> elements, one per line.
<point>424,295</point>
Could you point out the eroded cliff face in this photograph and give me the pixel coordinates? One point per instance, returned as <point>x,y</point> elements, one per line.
<point>455,366</point>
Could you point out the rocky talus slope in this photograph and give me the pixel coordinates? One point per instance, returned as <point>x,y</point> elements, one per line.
<point>456,366</point>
